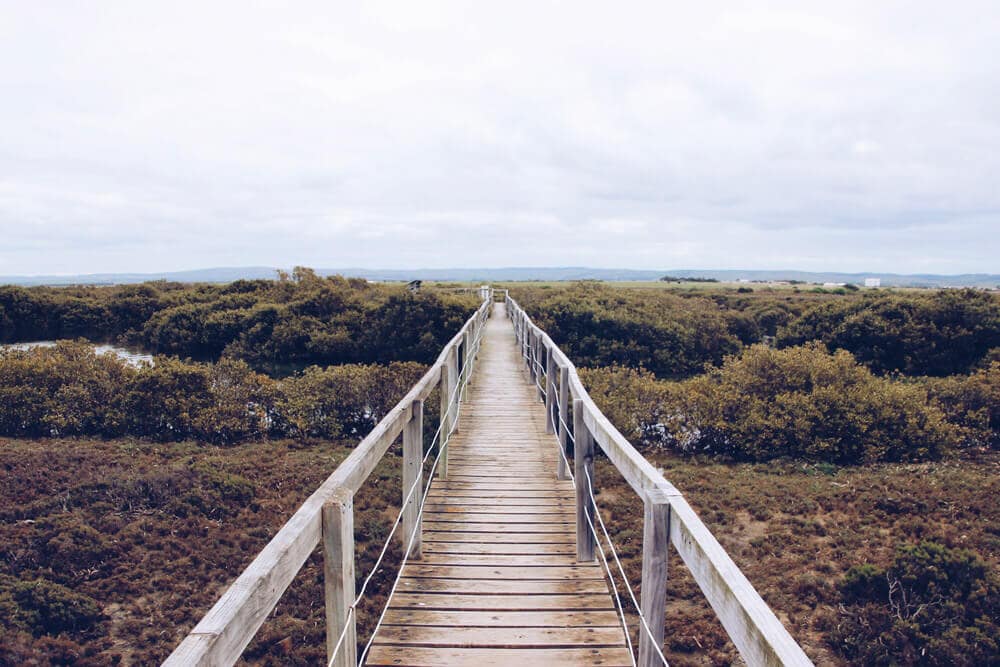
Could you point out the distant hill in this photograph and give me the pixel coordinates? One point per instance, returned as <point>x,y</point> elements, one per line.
<point>507,274</point>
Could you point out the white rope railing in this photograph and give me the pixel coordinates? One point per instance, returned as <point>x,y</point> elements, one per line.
<point>453,402</point>
<point>614,552</point>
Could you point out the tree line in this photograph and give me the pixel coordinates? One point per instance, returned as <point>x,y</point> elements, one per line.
<point>675,334</point>
<point>276,326</point>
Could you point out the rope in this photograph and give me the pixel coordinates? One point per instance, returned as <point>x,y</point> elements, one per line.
<point>611,545</point>
<point>614,552</point>
<point>607,568</point>
<point>406,555</point>
<point>352,610</point>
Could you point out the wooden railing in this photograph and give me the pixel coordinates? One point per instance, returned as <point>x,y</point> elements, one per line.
<point>753,628</point>
<point>328,516</point>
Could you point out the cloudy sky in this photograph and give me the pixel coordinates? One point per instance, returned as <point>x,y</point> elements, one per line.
<point>148,136</point>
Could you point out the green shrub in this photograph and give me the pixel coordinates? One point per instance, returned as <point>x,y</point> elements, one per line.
<point>973,402</point>
<point>596,325</point>
<point>45,607</point>
<point>800,402</point>
<point>932,606</point>
<point>941,333</point>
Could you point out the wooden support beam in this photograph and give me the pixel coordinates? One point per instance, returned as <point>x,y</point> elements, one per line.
<point>550,392</point>
<point>466,363</point>
<point>583,465</point>
<point>338,578</point>
<point>655,540</point>
<point>563,471</point>
<point>446,386</point>
<point>532,369</point>
<point>413,454</point>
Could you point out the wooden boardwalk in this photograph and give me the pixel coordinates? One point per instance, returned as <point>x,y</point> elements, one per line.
<point>498,583</point>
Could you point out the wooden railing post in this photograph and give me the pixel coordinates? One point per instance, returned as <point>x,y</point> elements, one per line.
<point>466,364</point>
<point>446,387</point>
<point>338,577</point>
<point>563,472</point>
<point>532,369</point>
<point>550,391</point>
<point>455,376</point>
<point>583,466</point>
<point>413,455</point>
<point>655,539</point>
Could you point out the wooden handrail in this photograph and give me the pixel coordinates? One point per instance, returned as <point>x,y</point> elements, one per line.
<point>224,632</point>
<point>753,628</point>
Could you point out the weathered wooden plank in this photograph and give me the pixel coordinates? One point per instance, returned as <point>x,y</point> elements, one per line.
<point>452,571</point>
<point>518,501</point>
<point>449,491</point>
<point>502,586</point>
<point>483,602</point>
<point>501,559</point>
<point>522,537</point>
<point>556,509</point>
<point>412,656</point>
<point>521,548</point>
<point>417,635</point>
<point>509,527</point>
<point>463,515</point>
<point>503,619</point>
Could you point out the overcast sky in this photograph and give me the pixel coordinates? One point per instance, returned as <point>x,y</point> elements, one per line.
<point>148,136</point>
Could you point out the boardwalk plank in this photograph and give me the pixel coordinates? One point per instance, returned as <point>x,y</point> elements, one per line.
<point>499,583</point>
<point>410,656</point>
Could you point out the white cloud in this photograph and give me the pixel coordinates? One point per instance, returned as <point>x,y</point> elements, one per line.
<point>155,136</point>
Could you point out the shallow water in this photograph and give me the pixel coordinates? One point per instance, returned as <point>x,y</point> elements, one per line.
<point>130,356</point>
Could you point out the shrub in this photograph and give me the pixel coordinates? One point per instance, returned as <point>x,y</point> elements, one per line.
<point>348,399</point>
<point>801,402</point>
<point>973,402</point>
<point>941,333</point>
<point>932,606</point>
<point>45,607</point>
<point>596,325</point>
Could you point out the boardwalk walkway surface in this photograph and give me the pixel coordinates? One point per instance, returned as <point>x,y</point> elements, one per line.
<point>498,583</point>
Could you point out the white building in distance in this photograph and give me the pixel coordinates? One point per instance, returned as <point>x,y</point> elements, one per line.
<point>873,282</point>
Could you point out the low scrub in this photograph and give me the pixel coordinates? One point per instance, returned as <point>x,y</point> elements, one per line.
<point>69,390</point>
<point>931,606</point>
<point>799,402</point>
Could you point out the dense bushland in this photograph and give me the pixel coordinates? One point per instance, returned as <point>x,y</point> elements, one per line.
<point>801,402</point>
<point>275,326</point>
<point>70,390</point>
<point>675,333</point>
<point>695,371</point>
<point>938,333</point>
<point>600,326</point>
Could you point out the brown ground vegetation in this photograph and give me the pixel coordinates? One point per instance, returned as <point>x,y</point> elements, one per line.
<point>154,533</point>
<point>796,529</point>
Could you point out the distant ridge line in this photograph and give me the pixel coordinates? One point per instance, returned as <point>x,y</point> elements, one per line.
<point>229,274</point>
